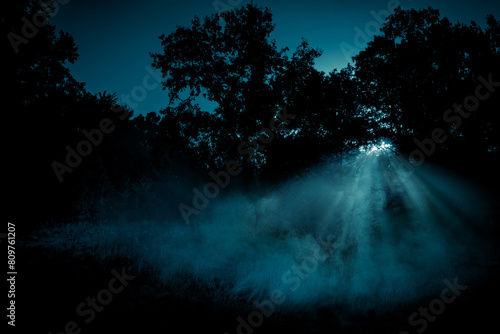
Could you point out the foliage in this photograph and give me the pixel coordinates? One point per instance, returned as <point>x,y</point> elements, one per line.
<point>399,87</point>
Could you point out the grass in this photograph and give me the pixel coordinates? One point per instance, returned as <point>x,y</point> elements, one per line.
<point>53,280</point>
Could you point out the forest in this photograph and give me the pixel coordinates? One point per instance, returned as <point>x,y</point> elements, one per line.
<point>418,75</point>
<point>288,159</point>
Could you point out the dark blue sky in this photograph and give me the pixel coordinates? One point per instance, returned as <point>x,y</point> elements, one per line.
<point>114,37</point>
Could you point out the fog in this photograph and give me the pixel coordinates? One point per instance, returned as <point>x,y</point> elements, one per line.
<point>364,230</point>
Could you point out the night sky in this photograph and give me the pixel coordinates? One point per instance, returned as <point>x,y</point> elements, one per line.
<point>114,37</point>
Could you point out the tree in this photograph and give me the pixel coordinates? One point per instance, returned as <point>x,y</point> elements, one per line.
<point>48,110</point>
<point>418,68</point>
<point>234,63</point>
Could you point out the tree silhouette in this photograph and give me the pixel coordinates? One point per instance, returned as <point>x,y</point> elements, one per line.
<point>400,87</point>
<point>234,63</point>
<point>48,110</point>
<point>418,68</point>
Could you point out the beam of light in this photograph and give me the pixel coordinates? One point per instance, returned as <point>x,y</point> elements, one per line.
<point>393,242</point>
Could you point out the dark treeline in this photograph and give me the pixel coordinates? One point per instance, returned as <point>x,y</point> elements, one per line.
<point>399,88</point>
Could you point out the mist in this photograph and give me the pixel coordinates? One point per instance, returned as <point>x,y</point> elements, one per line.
<point>365,230</point>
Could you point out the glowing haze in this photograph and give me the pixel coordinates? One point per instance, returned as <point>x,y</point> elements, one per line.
<point>338,234</point>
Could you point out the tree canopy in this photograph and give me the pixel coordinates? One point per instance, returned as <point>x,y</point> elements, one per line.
<point>400,87</point>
